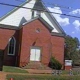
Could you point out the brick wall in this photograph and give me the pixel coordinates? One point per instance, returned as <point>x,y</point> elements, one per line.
<point>41,39</point>
<point>68,67</point>
<point>50,45</point>
<point>34,33</point>
<point>58,48</point>
<point>5,35</point>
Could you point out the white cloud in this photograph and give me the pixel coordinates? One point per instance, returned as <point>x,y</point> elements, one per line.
<point>77,11</point>
<point>73,32</point>
<point>62,21</point>
<point>76,23</point>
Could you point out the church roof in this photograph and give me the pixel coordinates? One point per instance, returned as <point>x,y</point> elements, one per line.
<point>13,10</point>
<point>17,28</point>
<point>38,6</point>
<point>42,20</point>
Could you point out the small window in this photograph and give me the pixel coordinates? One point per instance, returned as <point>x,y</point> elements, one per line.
<point>35,13</point>
<point>11,46</point>
<point>38,13</point>
<point>32,14</point>
<point>38,30</point>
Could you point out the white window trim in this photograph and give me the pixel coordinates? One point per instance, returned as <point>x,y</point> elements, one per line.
<point>14,46</point>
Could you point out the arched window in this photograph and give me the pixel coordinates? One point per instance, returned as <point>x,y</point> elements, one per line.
<point>11,46</point>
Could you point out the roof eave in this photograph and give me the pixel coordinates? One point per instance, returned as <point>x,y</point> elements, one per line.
<point>47,10</point>
<point>13,10</point>
<point>3,26</point>
<point>42,20</point>
<point>57,34</point>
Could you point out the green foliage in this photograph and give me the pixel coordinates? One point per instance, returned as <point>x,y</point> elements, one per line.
<point>55,64</point>
<point>71,48</point>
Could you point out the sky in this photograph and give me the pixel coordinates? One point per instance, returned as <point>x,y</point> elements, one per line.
<point>71,25</point>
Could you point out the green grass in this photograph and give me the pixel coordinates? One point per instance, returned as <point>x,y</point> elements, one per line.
<point>41,77</point>
<point>13,69</point>
<point>66,72</point>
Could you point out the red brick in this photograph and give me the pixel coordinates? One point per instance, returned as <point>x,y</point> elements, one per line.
<point>25,37</point>
<point>58,48</point>
<point>51,45</point>
<point>5,34</point>
<point>68,67</point>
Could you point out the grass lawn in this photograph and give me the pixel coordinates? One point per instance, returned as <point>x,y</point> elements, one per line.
<point>64,75</point>
<point>41,77</point>
<point>67,72</point>
<point>13,69</point>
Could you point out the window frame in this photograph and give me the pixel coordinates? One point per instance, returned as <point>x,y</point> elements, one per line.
<point>14,46</point>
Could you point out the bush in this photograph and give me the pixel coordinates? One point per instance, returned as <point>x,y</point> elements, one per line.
<point>55,64</point>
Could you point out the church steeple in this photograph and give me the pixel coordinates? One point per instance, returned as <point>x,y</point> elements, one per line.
<point>39,5</point>
<point>38,8</point>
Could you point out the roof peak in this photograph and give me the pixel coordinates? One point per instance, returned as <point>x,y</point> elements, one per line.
<point>39,5</point>
<point>50,28</point>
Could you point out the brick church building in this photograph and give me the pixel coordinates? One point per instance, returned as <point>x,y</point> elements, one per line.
<point>32,34</point>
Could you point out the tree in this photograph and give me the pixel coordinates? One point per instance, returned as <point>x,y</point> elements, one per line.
<point>71,46</point>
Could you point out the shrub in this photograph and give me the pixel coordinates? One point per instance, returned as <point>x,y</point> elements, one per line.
<point>55,64</point>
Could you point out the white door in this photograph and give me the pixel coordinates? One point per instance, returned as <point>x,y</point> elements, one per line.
<point>35,54</point>
<point>32,54</point>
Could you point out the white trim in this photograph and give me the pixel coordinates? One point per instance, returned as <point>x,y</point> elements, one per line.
<point>14,46</point>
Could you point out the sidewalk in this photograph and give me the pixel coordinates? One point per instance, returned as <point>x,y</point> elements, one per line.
<point>3,75</point>
<point>36,71</point>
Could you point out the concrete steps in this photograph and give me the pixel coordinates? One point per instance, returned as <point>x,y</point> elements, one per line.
<point>36,65</point>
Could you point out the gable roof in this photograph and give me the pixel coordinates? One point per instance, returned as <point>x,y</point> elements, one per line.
<point>17,28</point>
<point>39,5</point>
<point>42,20</point>
<point>13,10</point>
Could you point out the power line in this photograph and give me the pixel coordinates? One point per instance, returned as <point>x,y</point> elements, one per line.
<point>53,4</point>
<point>63,8</point>
<point>44,3</point>
<point>19,0</point>
<point>38,10</point>
<point>57,5</point>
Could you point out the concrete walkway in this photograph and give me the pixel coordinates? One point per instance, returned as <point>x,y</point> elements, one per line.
<point>37,71</point>
<point>3,75</point>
